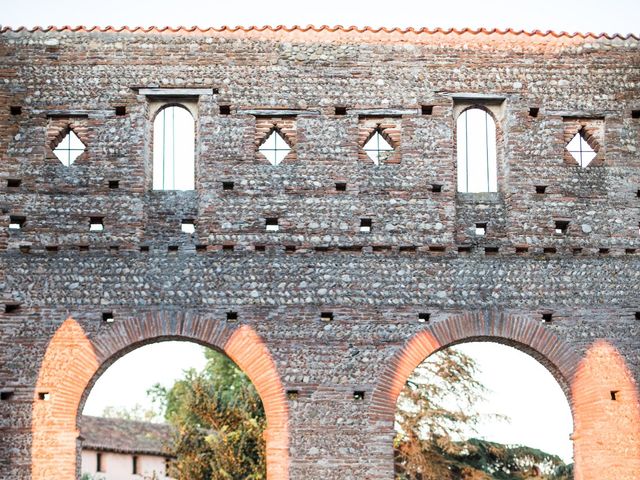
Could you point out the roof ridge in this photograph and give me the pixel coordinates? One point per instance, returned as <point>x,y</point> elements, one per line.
<point>324,28</point>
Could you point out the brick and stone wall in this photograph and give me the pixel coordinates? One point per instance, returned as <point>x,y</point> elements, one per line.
<point>327,91</point>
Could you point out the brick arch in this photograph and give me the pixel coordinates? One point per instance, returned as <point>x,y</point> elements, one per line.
<point>74,361</point>
<point>606,433</point>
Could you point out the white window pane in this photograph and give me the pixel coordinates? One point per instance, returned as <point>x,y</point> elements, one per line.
<point>173,150</point>
<point>476,152</point>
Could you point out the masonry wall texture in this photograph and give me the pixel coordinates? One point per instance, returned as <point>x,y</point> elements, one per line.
<point>422,254</point>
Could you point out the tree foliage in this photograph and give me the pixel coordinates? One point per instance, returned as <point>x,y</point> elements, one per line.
<point>219,423</point>
<point>435,415</point>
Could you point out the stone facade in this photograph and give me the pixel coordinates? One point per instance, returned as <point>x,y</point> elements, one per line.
<point>61,282</point>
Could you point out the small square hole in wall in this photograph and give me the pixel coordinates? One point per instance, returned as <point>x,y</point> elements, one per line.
<point>290,248</point>
<point>15,110</point>
<point>341,110</point>
<point>271,224</point>
<point>533,112</point>
<point>549,250</point>
<point>114,248</point>
<point>491,250</point>
<point>326,316</point>
<point>541,189</point>
<point>44,396</point>
<point>187,226</point>
<point>144,248</point>
<point>561,227</point>
<point>232,316</point>
<point>365,225</point>
<point>635,113</point>
<point>227,186</point>
<point>603,251</point>
<point>341,186</point>
<point>547,317</point>
<point>637,315</point>
<point>201,247</point>
<point>121,110</point>
<point>16,182</point>
<point>638,193</point>
<point>436,188</point>
<point>481,228</point>
<point>225,109</point>
<point>629,251</point>
<point>52,248</point>
<point>259,248</point>
<point>6,395</point>
<point>96,224</point>
<point>25,248</point>
<point>293,394</point>
<point>107,317</point>
<point>11,307</point>
<point>424,317</point>
<point>427,109</point>
<point>16,222</point>
<point>228,247</point>
<point>358,395</point>
<point>522,250</point>
<point>113,184</point>
<point>464,250</point>
<point>615,394</point>
<point>173,248</point>
<point>577,250</point>
<point>83,248</point>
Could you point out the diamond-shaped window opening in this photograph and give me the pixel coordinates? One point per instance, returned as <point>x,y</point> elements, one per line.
<point>580,150</point>
<point>69,149</point>
<point>378,148</point>
<point>275,148</point>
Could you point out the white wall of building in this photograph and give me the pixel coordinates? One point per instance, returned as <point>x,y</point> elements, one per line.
<point>119,466</point>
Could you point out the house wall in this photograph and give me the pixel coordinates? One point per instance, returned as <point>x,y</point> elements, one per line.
<point>119,466</point>
<point>421,256</point>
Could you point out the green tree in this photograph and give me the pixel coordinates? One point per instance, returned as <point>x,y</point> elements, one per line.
<point>437,411</point>
<point>219,423</point>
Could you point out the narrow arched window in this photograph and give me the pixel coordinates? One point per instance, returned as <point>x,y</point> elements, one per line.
<point>477,166</point>
<point>173,149</point>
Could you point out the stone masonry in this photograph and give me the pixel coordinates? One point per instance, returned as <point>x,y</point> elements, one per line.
<point>74,300</point>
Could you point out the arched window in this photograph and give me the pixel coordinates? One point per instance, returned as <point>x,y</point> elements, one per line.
<point>477,166</point>
<point>173,149</point>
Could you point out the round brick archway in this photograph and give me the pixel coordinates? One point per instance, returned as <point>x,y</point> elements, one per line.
<point>73,362</point>
<point>606,432</point>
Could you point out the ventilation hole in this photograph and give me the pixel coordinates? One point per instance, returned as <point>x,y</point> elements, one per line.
<point>549,250</point>
<point>407,249</point>
<point>341,186</point>
<point>201,247</point>
<point>290,248</point>
<point>271,224</point>
<point>637,315</point>
<point>541,189</point>
<point>215,91</point>
<point>187,226</point>
<point>635,113</point>
<point>547,317</point>
<point>144,248</point>
<point>96,224</point>
<point>121,110</point>
<point>173,248</point>
<point>381,248</point>
<point>321,248</point>
<point>44,396</point>
<point>577,250</point>
<point>16,222</point>
<point>614,394</point>
<point>365,225</point>
<point>638,193</point>
<point>17,110</point>
<point>16,182</point>
<point>603,251</point>
<point>481,228</point>
<point>225,109</point>
<point>341,110</point>
<point>326,316</point>
<point>424,317</point>
<point>107,317</point>
<point>11,307</point>
<point>436,188</point>
<point>358,395</point>
<point>114,248</point>
<point>629,251</point>
<point>427,109</point>
<point>259,248</point>
<point>6,395</point>
<point>533,111</point>
<point>227,186</point>
<point>293,394</point>
<point>491,250</point>
<point>52,248</point>
<point>521,250</point>
<point>25,248</point>
<point>464,250</point>
<point>232,316</point>
<point>561,226</point>
<point>437,248</point>
<point>113,184</point>
<point>83,248</point>
<point>229,247</point>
